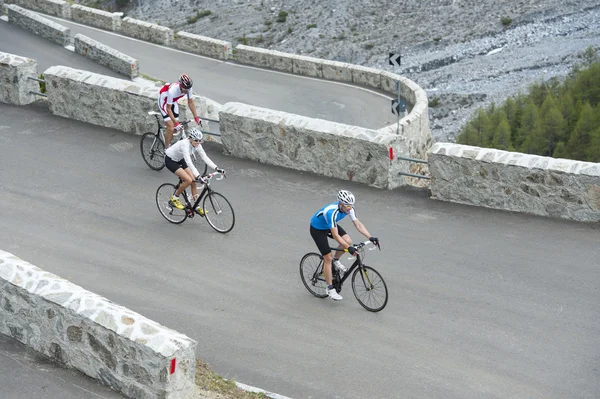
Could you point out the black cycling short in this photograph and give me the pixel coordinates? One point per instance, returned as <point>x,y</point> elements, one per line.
<point>174,165</point>
<point>174,107</point>
<point>320,237</point>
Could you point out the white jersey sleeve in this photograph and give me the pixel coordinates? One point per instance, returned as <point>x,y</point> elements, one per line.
<point>352,215</point>
<point>200,151</point>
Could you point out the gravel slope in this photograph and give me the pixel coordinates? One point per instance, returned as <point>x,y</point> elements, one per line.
<point>458,50</point>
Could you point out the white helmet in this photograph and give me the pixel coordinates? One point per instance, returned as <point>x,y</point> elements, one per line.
<point>346,197</point>
<point>195,134</point>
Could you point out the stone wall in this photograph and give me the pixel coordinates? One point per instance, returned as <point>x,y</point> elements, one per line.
<point>203,45</point>
<point>59,8</point>
<point>98,18</point>
<point>124,350</point>
<point>107,56</point>
<point>517,182</point>
<point>146,31</point>
<point>14,85</point>
<point>414,134</point>
<point>307,144</point>
<point>39,25</point>
<point>263,58</point>
<point>101,100</point>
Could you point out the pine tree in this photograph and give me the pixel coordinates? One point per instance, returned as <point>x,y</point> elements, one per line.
<point>587,85</point>
<point>592,152</point>
<point>501,138</point>
<point>552,125</point>
<point>530,132</point>
<point>581,136</point>
<point>560,151</point>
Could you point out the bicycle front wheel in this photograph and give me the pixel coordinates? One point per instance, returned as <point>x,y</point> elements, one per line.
<point>369,289</point>
<point>153,151</point>
<point>311,273</point>
<point>169,212</point>
<point>218,212</point>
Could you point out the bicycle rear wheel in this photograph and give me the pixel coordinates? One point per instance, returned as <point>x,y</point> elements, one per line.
<point>169,212</point>
<point>218,212</point>
<point>153,151</point>
<point>369,289</point>
<point>311,273</point>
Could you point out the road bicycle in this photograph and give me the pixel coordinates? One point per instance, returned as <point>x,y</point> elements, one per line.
<point>368,286</point>
<point>216,209</point>
<point>152,146</point>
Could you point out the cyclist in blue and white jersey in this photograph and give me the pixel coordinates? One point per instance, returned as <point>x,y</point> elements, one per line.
<point>167,104</point>
<point>324,224</point>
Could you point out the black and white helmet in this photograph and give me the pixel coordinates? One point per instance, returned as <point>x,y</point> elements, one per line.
<point>346,197</point>
<point>185,81</point>
<point>195,134</point>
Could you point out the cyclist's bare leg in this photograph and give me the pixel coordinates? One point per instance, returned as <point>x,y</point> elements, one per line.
<point>194,188</point>
<point>327,259</point>
<point>340,250</point>
<point>169,132</point>
<point>186,180</point>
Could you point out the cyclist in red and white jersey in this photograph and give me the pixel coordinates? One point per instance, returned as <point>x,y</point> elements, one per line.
<point>167,104</point>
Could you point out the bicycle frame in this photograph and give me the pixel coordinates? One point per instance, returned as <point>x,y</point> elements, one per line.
<point>357,263</point>
<point>201,195</point>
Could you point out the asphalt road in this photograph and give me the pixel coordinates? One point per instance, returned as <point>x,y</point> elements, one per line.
<point>218,80</point>
<point>483,303</point>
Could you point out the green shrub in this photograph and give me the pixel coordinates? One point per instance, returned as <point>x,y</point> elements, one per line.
<point>282,16</point>
<point>434,102</point>
<point>243,40</point>
<point>289,30</point>
<point>199,14</point>
<point>369,46</point>
<point>505,21</point>
<point>42,84</point>
<point>310,26</point>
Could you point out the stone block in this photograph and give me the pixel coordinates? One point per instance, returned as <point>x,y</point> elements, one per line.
<point>307,66</point>
<point>516,182</point>
<point>106,56</point>
<point>264,58</point>
<point>203,45</point>
<point>338,71</point>
<point>60,327</point>
<point>14,85</point>
<point>302,143</point>
<point>39,25</point>
<point>93,17</point>
<point>146,31</point>
<point>101,100</point>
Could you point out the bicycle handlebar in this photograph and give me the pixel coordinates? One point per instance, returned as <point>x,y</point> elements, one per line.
<point>362,244</point>
<point>211,175</point>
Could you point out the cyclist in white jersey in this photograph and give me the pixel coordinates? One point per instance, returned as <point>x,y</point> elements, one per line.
<point>167,104</point>
<point>324,224</point>
<point>178,160</point>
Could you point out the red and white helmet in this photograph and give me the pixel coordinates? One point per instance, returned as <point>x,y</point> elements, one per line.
<point>185,81</point>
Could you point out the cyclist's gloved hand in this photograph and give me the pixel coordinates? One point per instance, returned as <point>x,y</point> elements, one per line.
<point>351,249</point>
<point>178,126</point>
<point>201,179</point>
<point>374,240</point>
<point>221,171</point>
<point>198,121</point>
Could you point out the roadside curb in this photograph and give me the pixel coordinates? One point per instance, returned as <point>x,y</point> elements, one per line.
<point>268,394</point>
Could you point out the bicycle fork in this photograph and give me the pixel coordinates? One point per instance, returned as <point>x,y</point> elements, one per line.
<point>368,284</point>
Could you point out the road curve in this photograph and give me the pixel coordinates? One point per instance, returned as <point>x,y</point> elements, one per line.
<point>218,80</point>
<point>483,303</point>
